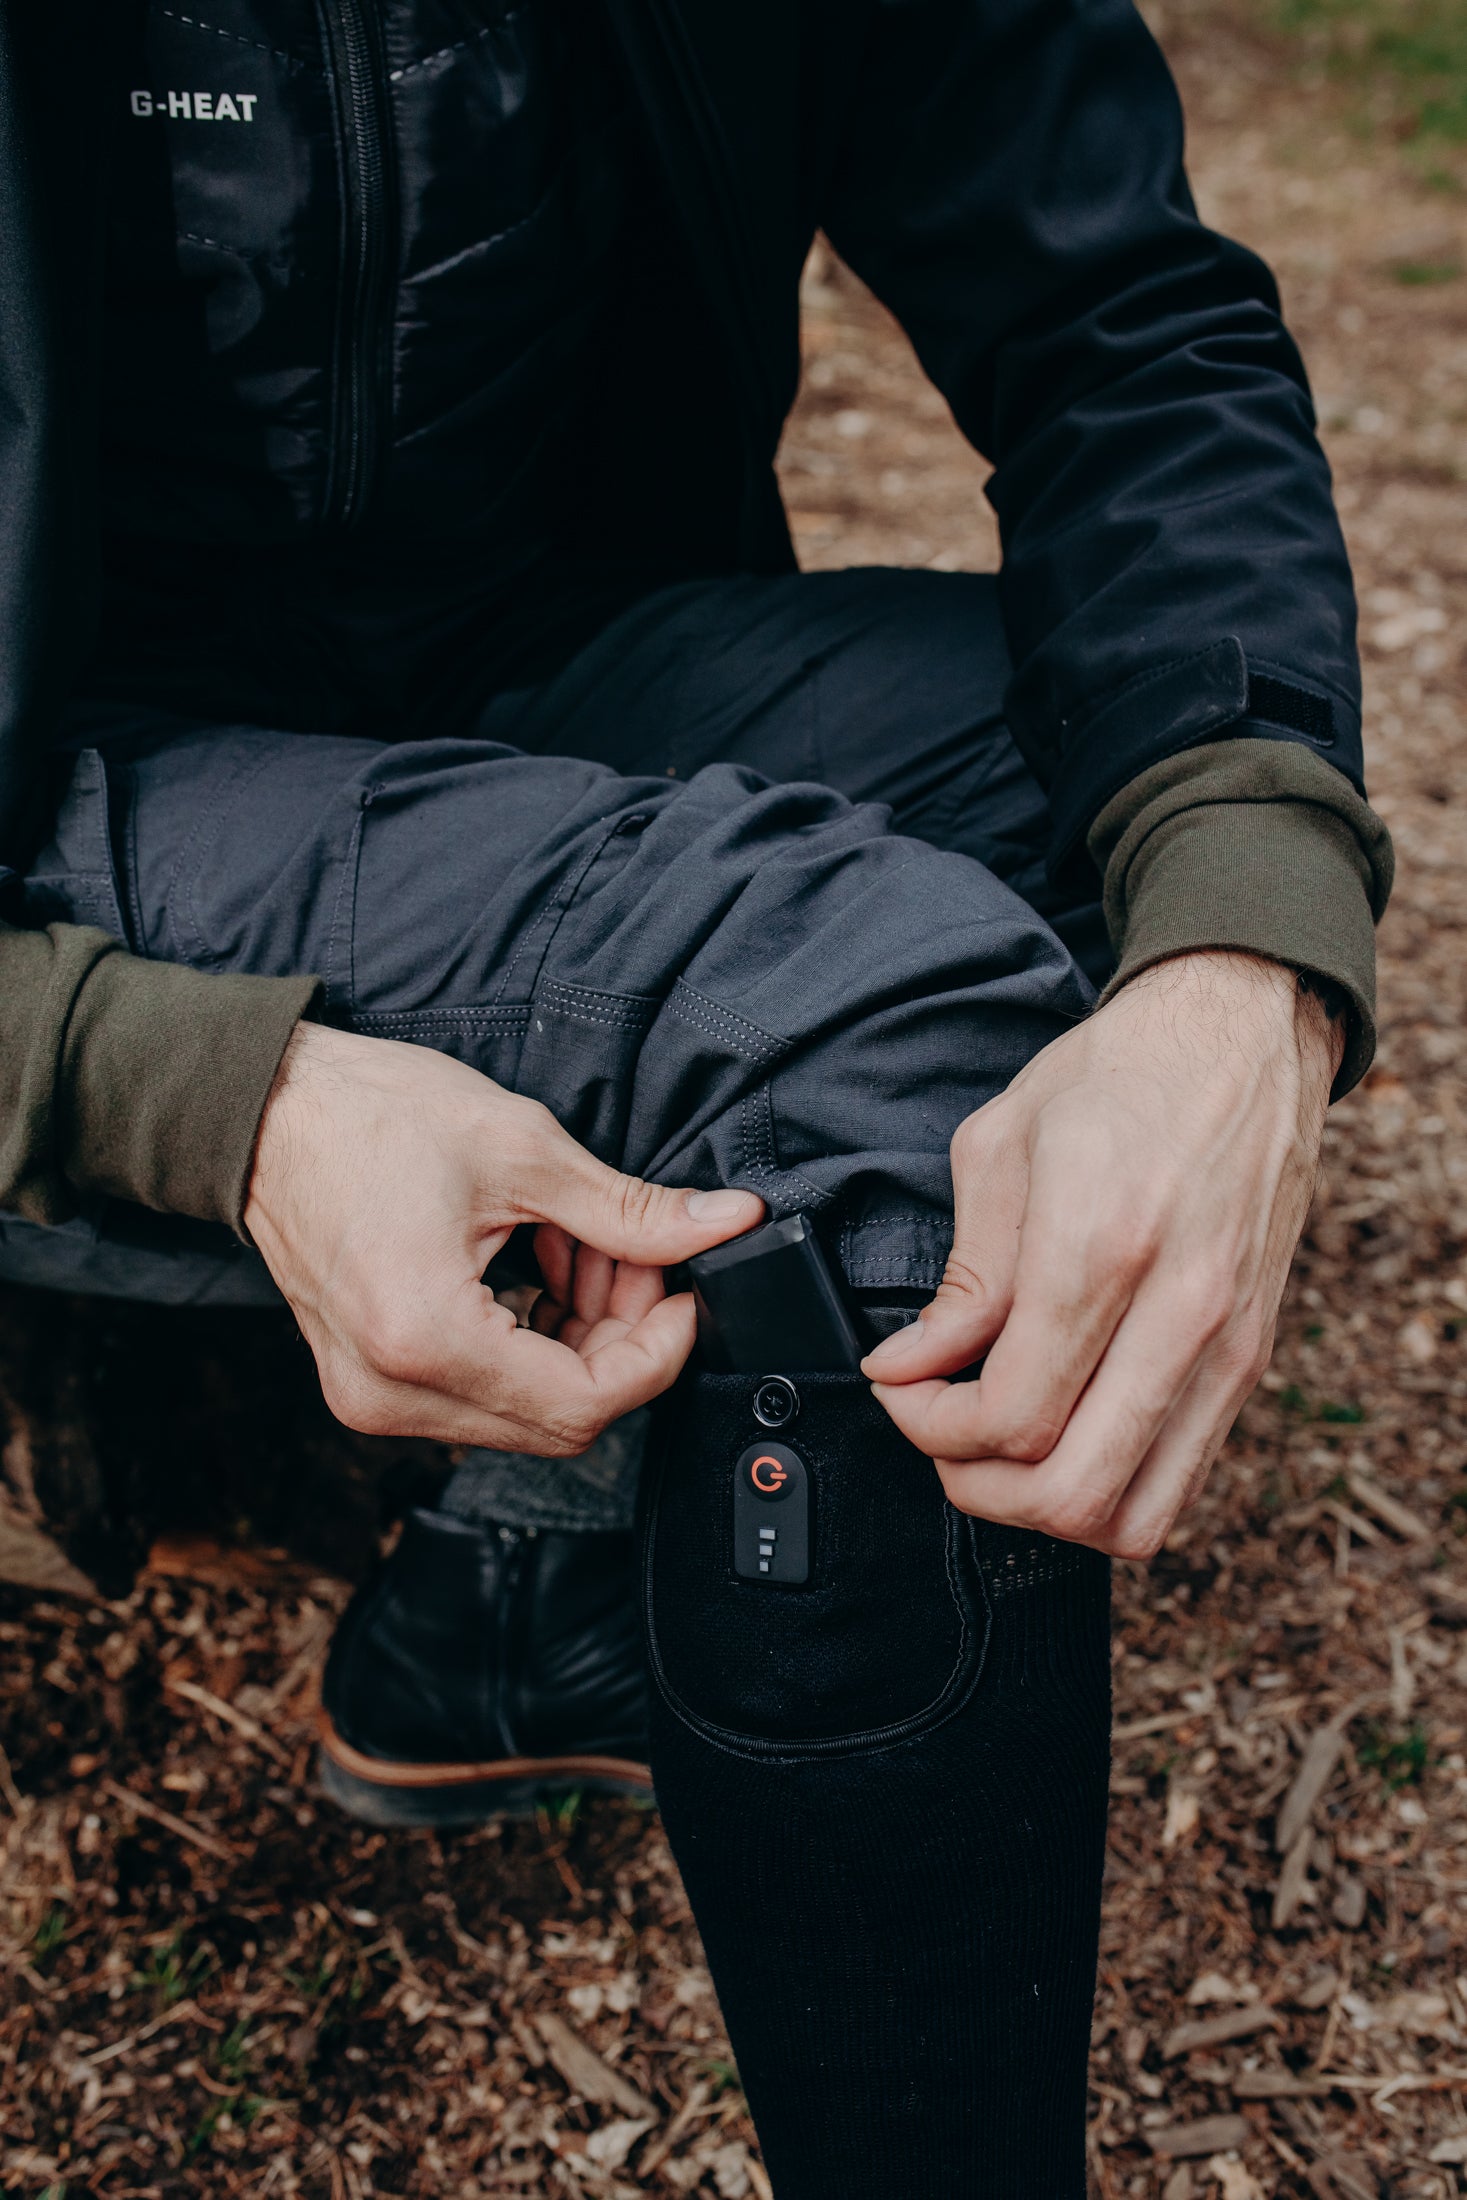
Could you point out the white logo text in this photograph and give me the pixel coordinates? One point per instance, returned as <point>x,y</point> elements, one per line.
<point>197,106</point>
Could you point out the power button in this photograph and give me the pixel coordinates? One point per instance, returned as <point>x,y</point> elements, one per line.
<point>771,1515</point>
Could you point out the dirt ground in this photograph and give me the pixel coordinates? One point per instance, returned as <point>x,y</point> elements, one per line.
<point>214,1986</point>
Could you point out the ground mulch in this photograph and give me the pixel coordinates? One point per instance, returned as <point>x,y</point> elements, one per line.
<point>215,1986</point>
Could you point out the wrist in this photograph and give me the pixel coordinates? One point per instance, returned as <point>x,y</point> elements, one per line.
<point>1249,1001</point>
<point>305,1049</point>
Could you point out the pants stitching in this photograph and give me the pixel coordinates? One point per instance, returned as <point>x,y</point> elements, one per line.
<point>761,1158</point>
<point>690,1006</point>
<point>549,916</point>
<point>508,1017</point>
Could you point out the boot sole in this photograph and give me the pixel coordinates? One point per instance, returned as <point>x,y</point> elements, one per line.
<point>380,1792</point>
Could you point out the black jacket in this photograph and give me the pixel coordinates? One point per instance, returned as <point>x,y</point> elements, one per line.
<point>1007,176</point>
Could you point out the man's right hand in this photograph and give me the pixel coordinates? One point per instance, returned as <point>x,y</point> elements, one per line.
<point>385,1180</point>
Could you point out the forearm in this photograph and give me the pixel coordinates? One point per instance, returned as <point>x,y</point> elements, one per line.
<point>130,1079</point>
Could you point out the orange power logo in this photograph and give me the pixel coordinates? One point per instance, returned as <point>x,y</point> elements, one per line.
<point>768,1474</point>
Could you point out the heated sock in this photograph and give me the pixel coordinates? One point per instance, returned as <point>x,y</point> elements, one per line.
<point>885,1787</point>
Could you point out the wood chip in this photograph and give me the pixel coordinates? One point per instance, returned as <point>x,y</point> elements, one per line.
<point>1229,2024</point>
<point>1448,1599</point>
<point>1364,1531</point>
<point>528,2041</point>
<point>1322,1754</point>
<point>1348,2177</point>
<point>586,2073</point>
<point>209,1842</point>
<point>1275,2085</point>
<point>1209,2135</point>
<point>1348,1907</point>
<point>1319,1992</point>
<point>241,1721</point>
<point>1293,1878</point>
<point>1395,1515</point>
<point>1161,1722</point>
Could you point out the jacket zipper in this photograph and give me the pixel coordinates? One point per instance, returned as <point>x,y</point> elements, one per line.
<point>359,398</point>
<point>758,409</point>
<point>737,240</point>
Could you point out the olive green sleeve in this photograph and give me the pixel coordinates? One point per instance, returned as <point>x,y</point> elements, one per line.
<point>132,1079</point>
<point>1255,845</point>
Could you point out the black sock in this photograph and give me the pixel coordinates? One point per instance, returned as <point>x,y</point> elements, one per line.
<point>886,1792</point>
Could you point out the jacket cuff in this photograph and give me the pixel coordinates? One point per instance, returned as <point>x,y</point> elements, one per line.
<point>1259,847</point>
<point>163,1079</point>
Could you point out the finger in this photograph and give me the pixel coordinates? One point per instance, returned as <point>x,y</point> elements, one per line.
<point>518,1390</point>
<point>549,1315</point>
<point>572,1396</point>
<point>971,1304</point>
<point>1175,1470</point>
<point>591,1289</point>
<point>555,1256</point>
<point>655,1225</point>
<point>1073,1493</point>
<point>1080,1262</point>
<point>632,1292</point>
<point>635,1291</point>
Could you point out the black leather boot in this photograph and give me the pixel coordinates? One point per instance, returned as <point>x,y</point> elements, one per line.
<point>482,1669</point>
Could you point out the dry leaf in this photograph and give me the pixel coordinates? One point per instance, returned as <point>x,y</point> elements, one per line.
<point>1182,1813</point>
<point>609,2147</point>
<point>1236,2179</point>
<point>1211,1986</point>
<point>730,2167</point>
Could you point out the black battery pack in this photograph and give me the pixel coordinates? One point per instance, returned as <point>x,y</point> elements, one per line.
<point>769,1304</point>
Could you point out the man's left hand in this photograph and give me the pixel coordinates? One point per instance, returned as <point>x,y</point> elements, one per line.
<point>1126,1213</point>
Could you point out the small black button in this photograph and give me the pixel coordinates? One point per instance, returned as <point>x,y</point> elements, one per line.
<point>776,1402</point>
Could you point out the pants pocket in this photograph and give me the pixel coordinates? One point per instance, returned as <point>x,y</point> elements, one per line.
<point>883,1639</point>
<point>76,878</point>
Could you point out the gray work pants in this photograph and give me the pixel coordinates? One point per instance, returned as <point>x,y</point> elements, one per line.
<point>752,893</point>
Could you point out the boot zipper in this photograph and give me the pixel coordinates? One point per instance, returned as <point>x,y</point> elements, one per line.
<point>512,1543</point>
<point>359,399</point>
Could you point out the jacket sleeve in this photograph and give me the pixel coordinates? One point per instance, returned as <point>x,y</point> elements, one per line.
<point>127,1079</point>
<point>1010,183</point>
<point>1258,848</point>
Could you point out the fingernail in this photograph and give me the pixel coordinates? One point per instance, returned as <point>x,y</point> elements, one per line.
<point>892,1347</point>
<point>719,1206</point>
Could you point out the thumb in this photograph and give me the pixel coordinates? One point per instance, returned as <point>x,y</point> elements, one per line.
<point>652,1225</point>
<point>951,1332</point>
<point>973,1299</point>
